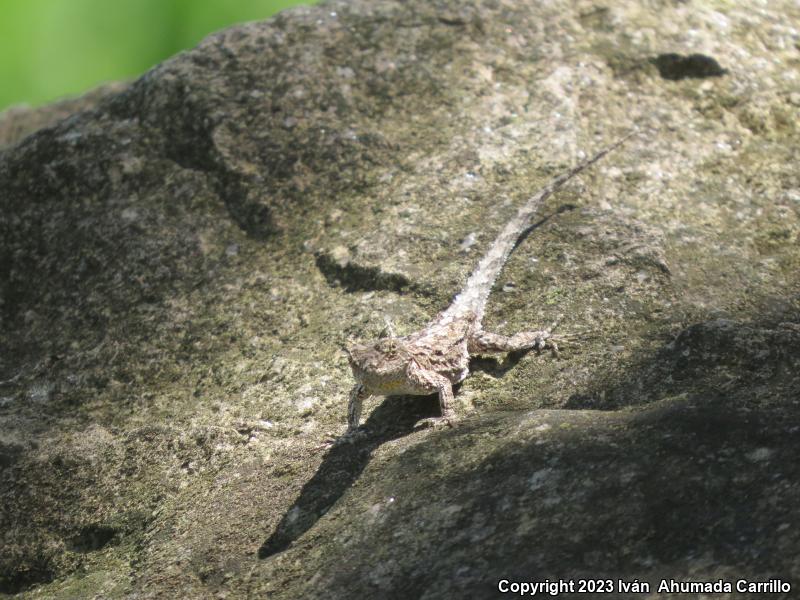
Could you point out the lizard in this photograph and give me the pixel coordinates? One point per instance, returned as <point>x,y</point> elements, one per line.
<point>436,357</point>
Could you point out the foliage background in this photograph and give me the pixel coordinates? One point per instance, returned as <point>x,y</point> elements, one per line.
<point>54,48</point>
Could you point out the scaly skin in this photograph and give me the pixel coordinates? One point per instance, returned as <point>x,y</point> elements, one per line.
<point>435,358</point>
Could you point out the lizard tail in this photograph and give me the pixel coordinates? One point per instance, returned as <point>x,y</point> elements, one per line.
<point>473,297</point>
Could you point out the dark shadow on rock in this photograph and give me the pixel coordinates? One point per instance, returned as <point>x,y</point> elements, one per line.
<point>498,366</point>
<point>696,66</point>
<point>92,538</point>
<point>354,277</point>
<point>709,357</point>
<point>41,572</point>
<point>395,417</point>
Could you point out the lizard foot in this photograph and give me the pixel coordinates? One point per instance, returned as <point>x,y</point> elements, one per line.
<point>551,343</point>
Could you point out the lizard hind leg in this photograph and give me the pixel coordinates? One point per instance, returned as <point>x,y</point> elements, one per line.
<point>483,342</point>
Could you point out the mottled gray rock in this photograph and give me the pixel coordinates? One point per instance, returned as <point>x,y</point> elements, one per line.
<point>18,121</point>
<point>181,262</point>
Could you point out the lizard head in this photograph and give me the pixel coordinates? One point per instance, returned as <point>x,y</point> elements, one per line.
<point>383,357</point>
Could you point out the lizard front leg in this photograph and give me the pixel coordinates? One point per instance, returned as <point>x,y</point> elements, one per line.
<point>445,391</point>
<point>431,381</point>
<point>357,396</point>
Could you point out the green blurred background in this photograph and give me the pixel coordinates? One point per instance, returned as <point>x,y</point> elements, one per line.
<point>55,48</point>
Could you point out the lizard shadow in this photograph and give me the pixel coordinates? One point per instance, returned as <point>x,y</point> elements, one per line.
<point>498,367</point>
<point>395,417</point>
<point>566,207</point>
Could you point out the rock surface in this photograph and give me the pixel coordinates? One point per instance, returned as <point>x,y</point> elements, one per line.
<point>181,262</point>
